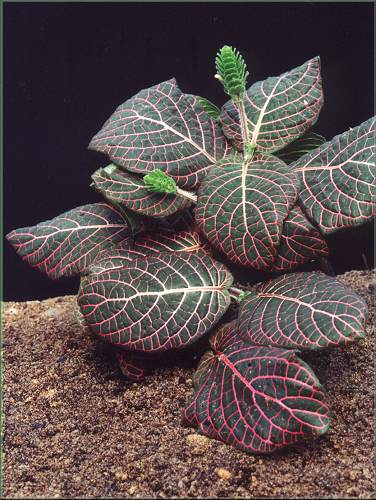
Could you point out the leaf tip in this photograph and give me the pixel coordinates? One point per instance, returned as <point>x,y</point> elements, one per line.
<point>319,431</point>
<point>10,235</point>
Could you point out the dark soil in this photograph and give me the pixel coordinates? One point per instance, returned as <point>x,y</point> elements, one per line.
<point>75,428</point>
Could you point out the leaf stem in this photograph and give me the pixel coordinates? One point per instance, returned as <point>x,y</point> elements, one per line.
<point>186,194</point>
<point>238,294</point>
<point>248,148</point>
<point>243,122</point>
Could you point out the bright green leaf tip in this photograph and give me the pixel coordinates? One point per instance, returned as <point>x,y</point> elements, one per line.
<point>250,149</point>
<point>244,294</point>
<point>159,182</point>
<point>231,71</point>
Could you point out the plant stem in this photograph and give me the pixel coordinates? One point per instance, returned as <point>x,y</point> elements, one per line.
<point>235,291</point>
<point>186,194</point>
<point>243,123</point>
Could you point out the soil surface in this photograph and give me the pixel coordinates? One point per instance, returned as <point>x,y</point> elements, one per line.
<point>74,427</point>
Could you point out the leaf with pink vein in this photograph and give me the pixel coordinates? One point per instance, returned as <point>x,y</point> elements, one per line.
<point>241,206</point>
<point>338,180</point>
<point>68,244</point>
<point>162,128</point>
<point>256,398</point>
<point>304,311</point>
<point>159,302</point>
<point>279,109</point>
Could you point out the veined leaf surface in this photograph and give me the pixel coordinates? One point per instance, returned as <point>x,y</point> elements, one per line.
<point>279,109</point>
<point>300,242</point>
<point>339,179</point>
<point>160,302</point>
<point>117,257</point>
<point>69,243</point>
<point>301,146</point>
<point>147,244</point>
<point>130,191</point>
<point>162,128</point>
<point>304,311</point>
<point>241,207</point>
<point>166,241</point>
<point>183,220</point>
<point>255,398</point>
<point>209,107</point>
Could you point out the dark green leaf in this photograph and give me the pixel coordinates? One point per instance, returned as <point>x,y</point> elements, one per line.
<point>209,107</point>
<point>160,302</point>
<point>166,241</point>
<point>339,180</point>
<point>300,242</point>
<point>300,147</point>
<point>304,311</point>
<point>147,244</point>
<point>183,220</point>
<point>279,109</point>
<point>69,243</point>
<point>162,128</point>
<point>241,207</point>
<point>255,398</point>
<point>117,257</point>
<point>130,191</point>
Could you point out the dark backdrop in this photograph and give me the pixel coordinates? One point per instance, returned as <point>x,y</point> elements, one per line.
<point>67,66</point>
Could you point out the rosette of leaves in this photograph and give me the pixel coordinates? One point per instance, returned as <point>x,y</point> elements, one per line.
<point>251,180</point>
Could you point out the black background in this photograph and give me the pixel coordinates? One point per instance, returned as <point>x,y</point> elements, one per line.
<point>68,66</point>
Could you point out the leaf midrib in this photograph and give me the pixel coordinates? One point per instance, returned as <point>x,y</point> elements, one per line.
<point>78,228</point>
<point>254,391</point>
<point>257,128</point>
<point>168,292</point>
<point>301,303</point>
<point>164,124</point>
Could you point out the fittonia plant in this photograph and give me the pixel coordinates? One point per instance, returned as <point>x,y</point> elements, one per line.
<point>253,182</point>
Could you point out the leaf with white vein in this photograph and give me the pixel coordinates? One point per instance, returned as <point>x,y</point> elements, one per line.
<point>166,241</point>
<point>301,146</point>
<point>160,302</point>
<point>148,244</point>
<point>338,180</point>
<point>241,207</point>
<point>278,109</point>
<point>303,311</point>
<point>117,257</point>
<point>68,244</point>
<point>162,128</point>
<point>130,192</point>
<point>300,242</point>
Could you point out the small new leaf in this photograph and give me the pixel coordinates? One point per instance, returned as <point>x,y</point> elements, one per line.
<point>211,109</point>
<point>231,71</point>
<point>159,182</point>
<point>243,295</point>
